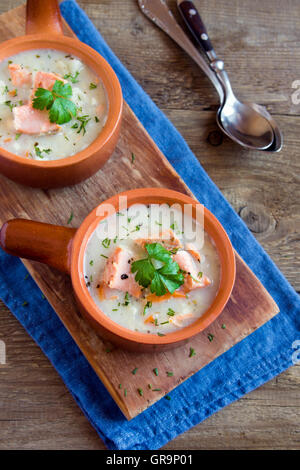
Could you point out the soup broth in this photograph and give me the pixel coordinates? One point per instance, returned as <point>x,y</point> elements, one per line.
<point>113,288</point>
<point>28,132</point>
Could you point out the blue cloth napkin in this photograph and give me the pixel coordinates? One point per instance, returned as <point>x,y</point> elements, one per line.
<point>253,361</point>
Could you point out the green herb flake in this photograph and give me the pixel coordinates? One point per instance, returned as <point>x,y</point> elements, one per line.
<point>106,243</point>
<point>132,157</point>
<point>141,393</point>
<point>120,386</point>
<point>155,370</point>
<point>223,326</point>
<point>134,371</point>
<point>93,86</point>
<point>91,263</point>
<point>70,218</point>
<point>125,392</point>
<point>171,312</point>
<point>156,390</point>
<point>148,305</point>
<point>192,352</point>
<point>160,334</point>
<point>167,397</point>
<point>72,78</point>
<point>96,119</point>
<point>150,386</point>
<point>17,136</point>
<point>210,337</point>
<point>103,256</point>
<point>170,374</point>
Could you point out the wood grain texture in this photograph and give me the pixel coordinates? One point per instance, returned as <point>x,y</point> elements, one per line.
<point>189,104</point>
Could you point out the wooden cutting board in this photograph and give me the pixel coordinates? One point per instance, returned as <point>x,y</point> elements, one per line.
<point>249,307</point>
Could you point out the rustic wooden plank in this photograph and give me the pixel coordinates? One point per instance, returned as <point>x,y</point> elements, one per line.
<point>117,21</point>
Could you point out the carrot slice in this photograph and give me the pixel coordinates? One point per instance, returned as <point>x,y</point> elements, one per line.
<point>161,298</point>
<point>101,292</point>
<point>149,319</point>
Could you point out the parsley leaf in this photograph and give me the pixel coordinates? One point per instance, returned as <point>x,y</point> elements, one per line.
<point>162,279</point>
<point>61,108</point>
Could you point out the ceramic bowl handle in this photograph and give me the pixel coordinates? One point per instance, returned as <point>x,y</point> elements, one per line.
<point>49,244</point>
<point>43,16</point>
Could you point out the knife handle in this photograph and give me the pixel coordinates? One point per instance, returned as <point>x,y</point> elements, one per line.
<point>195,24</point>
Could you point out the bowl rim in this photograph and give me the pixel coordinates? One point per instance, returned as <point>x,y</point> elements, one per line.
<point>224,248</point>
<point>114,97</point>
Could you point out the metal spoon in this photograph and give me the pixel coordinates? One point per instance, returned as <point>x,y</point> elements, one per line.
<point>158,12</point>
<point>240,121</point>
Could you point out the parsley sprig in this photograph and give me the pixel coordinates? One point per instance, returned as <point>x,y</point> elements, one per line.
<point>61,108</point>
<point>158,270</point>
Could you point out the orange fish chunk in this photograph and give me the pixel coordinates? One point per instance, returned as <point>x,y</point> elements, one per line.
<point>117,273</point>
<point>167,238</point>
<point>19,76</point>
<point>192,280</point>
<point>32,121</point>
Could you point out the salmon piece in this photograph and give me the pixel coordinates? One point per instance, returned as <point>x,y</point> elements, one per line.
<point>46,80</point>
<point>192,280</point>
<point>179,320</point>
<point>193,251</point>
<point>19,76</point>
<point>32,121</point>
<point>167,238</point>
<point>117,273</point>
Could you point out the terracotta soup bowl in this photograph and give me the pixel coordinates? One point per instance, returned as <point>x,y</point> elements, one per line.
<point>64,249</point>
<point>44,31</point>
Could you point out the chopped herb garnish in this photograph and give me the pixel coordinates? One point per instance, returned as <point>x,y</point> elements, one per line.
<point>71,77</point>
<point>210,337</point>
<point>61,108</point>
<point>156,389</point>
<point>17,136</point>
<point>171,312</point>
<point>192,352</point>
<point>70,218</point>
<point>106,242</point>
<point>96,119</point>
<point>223,326</point>
<point>134,371</point>
<point>160,334</point>
<point>120,385</point>
<point>103,256</point>
<point>200,274</point>
<point>166,278</point>
<point>155,370</point>
<point>132,157</point>
<point>91,262</point>
<point>125,392</point>
<point>140,392</point>
<point>149,386</point>
<point>126,300</point>
<point>83,122</point>
<point>115,239</point>
<point>148,305</point>
<point>27,276</point>
<point>167,397</point>
<point>115,309</point>
<point>170,374</point>
<point>10,105</point>
<point>93,86</point>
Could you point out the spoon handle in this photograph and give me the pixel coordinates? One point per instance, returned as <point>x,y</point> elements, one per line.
<point>195,24</point>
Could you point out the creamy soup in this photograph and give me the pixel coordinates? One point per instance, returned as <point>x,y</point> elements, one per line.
<point>109,261</point>
<point>72,91</point>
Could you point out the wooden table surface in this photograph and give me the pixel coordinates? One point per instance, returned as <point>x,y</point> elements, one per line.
<point>259,41</point>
